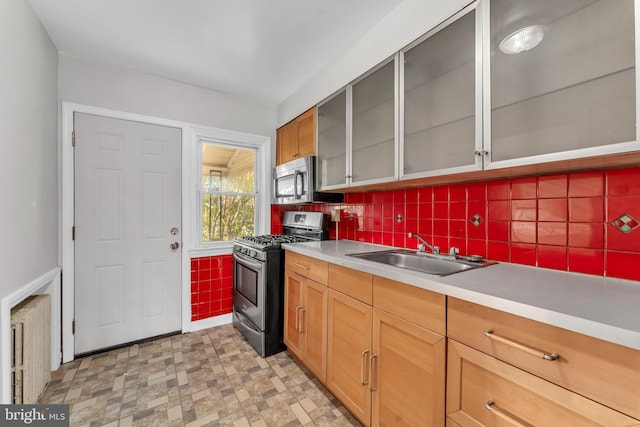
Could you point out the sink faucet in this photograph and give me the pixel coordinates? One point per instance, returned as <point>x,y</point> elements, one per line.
<point>434,249</point>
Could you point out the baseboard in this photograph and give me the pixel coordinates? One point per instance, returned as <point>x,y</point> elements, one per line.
<point>211,322</point>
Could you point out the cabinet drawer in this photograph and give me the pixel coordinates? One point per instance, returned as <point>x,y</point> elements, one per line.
<point>605,372</point>
<point>419,306</point>
<point>351,282</point>
<point>312,268</point>
<point>482,390</point>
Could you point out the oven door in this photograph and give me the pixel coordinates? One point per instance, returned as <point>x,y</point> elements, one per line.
<point>249,288</point>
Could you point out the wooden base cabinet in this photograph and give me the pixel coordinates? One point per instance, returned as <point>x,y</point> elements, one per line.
<point>349,355</point>
<point>386,370</point>
<point>483,391</point>
<point>408,373</point>
<point>305,330</point>
<point>602,371</point>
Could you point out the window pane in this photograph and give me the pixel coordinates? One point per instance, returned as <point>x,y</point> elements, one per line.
<point>227,217</point>
<point>227,169</point>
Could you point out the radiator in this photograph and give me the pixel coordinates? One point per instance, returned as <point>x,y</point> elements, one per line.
<point>31,348</point>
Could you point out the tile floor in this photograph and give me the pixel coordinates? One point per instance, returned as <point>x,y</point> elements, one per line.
<point>204,378</point>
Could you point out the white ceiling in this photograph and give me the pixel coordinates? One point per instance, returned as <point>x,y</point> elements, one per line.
<point>259,49</point>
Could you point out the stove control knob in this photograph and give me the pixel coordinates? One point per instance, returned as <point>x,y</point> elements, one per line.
<point>253,253</point>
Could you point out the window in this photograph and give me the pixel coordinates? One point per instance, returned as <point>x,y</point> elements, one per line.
<point>227,192</point>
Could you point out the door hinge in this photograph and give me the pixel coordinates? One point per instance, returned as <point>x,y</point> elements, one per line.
<point>73,233</point>
<point>73,326</point>
<point>73,138</point>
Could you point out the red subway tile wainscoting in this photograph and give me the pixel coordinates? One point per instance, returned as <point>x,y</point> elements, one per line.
<point>211,286</point>
<point>585,222</point>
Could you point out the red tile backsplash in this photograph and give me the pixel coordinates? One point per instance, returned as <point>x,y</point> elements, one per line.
<point>586,209</point>
<point>211,286</point>
<point>586,184</point>
<point>553,210</point>
<point>623,182</point>
<point>559,221</point>
<point>524,188</point>
<point>552,186</point>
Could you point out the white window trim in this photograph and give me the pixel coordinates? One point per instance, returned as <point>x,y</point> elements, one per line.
<point>262,145</point>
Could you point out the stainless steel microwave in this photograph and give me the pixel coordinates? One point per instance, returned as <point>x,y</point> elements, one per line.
<point>295,182</point>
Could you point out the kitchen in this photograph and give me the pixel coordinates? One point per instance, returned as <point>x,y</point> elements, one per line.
<point>519,235</point>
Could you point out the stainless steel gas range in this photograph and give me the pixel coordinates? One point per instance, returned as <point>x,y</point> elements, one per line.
<point>258,279</point>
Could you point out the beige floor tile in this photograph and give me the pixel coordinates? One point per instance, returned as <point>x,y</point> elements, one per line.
<point>210,377</point>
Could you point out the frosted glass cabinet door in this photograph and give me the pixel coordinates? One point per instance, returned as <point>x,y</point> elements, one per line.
<point>439,99</point>
<point>373,135</point>
<point>576,89</point>
<point>332,142</point>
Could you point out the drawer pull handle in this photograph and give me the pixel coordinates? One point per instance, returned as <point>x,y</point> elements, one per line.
<point>532,351</point>
<point>490,405</point>
<point>372,371</point>
<point>301,266</point>
<point>363,357</point>
<point>303,324</point>
<point>298,308</point>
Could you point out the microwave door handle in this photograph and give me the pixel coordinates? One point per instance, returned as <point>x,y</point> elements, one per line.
<point>295,184</point>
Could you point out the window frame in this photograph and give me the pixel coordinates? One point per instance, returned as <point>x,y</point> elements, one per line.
<point>202,192</point>
<point>262,185</point>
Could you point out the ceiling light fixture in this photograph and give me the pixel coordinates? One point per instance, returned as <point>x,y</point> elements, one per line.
<point>524,39</point>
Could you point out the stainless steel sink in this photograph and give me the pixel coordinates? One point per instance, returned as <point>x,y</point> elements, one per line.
<point>440,265</point>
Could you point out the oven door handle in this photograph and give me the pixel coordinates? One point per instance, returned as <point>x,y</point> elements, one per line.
<point>249,262</point>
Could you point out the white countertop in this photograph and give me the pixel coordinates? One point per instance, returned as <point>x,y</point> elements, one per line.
<point>600,307</point>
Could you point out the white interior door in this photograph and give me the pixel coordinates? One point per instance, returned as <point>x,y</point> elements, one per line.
<point>127,217</point>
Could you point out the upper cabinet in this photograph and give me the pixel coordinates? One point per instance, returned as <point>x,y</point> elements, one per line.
<point>357,141</point>
<point>440,112</point>
<point>297,138</point>
<point>373,135</point>
<point>501,84</point>
<point>332,141</point>
<point>562,79</point>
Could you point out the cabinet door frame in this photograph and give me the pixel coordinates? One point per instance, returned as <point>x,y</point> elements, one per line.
<point>297,346</point>
<point>437,343</point>
<point>349,182</point>
<point>622,147</point>
<point>347,144</point>
<point>312,345</point>
<point>478,141</point>
<point>396,147</point>
<point>359,406</point>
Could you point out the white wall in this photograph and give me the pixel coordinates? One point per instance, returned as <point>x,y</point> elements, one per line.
<point>405,23</point>
<point>102,85</point>
<point>29,135</point>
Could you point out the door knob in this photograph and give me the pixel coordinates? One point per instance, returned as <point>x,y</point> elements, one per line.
<point>174,245</point>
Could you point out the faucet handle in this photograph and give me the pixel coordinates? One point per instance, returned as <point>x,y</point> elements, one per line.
<point>436,250</point>
<point>421,248</point>
<point>453,251</point>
